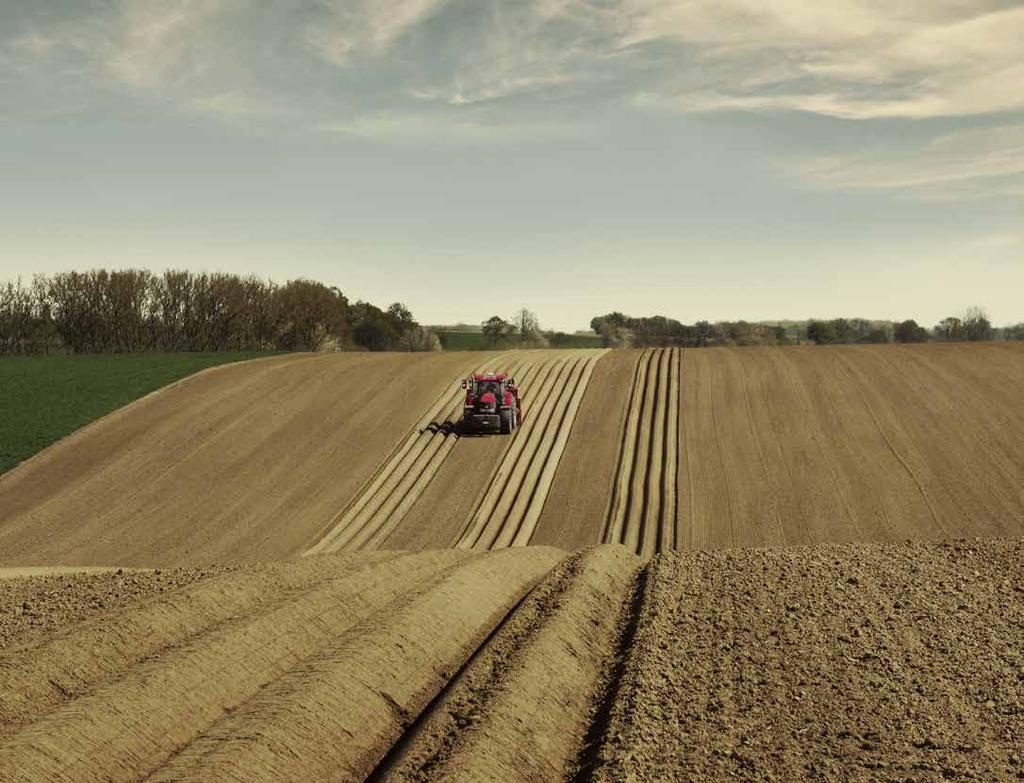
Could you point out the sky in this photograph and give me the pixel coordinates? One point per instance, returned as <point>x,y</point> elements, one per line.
<point>699,159</point>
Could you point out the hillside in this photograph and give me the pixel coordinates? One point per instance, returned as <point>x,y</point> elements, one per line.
<point>656,450</point>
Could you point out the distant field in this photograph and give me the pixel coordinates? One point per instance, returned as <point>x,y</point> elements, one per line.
<point>477,341</point>
<point>48,397</point>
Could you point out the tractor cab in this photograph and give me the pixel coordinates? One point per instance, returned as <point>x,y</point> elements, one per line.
<point>492,404</point>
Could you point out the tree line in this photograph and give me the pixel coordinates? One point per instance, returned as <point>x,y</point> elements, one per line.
<point>101,311</point>
<point>619,330</point>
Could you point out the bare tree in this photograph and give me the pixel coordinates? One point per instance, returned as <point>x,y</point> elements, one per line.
<point>419,338</point>
<point>526,324</point>
<point>977,325</point>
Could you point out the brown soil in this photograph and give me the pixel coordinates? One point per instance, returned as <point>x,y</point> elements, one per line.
<point>582,488</point>
<point>859,663</point>
<point>656,450</point>
<point>397,508</point>
<point>855,662</point>
<point>868,443</point>
<point>244,462</point>
<point>35,606</point>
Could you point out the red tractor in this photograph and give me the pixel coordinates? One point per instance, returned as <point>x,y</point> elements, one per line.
<point>492,404</point>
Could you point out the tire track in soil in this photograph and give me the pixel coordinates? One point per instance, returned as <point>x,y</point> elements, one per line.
<point>124,728</point>
<point>336,715</point>
<point>510,506</point>
<point>528,663</point>
<point>37,678</point>
<point>643,508</point>
<point>548,660</point>
<point>381,506</point>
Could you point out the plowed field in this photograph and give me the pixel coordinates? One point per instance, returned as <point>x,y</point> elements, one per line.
<point>675,651</point>
<point>855,662</point>
<point>656,450</point>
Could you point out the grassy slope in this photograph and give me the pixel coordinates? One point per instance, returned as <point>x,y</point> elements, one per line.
<point>45,398</point>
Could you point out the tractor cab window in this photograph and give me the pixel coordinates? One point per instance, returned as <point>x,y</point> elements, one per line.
<point>483,387</point>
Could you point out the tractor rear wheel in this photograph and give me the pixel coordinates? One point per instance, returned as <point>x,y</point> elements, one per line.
<point>507,421</point>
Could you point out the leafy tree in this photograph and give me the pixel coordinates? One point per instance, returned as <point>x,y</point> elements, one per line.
<point>401,317</point>
<point>373,329</point>
<point>951,328</point>
<point>821,332</point>
<point>909,332</point>
<point>703,332</point>
<point>617,321</point>
<point>495,328</point>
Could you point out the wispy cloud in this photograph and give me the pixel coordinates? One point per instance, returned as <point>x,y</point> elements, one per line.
<point>850,59</point>
<point>440,128</point>
<point>981,161</point>
<point>854,60</point>
<point>348,28</point>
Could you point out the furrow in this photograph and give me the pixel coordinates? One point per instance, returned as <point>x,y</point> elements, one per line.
<point>520,499</point>
<point>500,474</point>
<point>511,466</point>
<point>540,493</point>
<point>655,478</point>
<point>377,483</point>
<point>619,506</point>
<point>414,480</point>
<point>37,679</point>
<point>380,488</point>
<point>368,506</point>
<point>126,728</point>
<point>641,460</point>
<point>548,662</point>
<point>667,523</point>
<point>335,716</point>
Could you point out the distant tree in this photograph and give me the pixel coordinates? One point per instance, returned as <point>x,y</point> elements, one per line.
<point>495,328</point>
<point>527,324</point>
<point>613,336</point>
<point>703,332</point>
<point>950,328</point>
<point>419,338</point>
<point>977,325</point>
<point>821,332</point>
<point>616,320</point>
<point>372,328</point>
<point>877,334</point>
<point>401,317</point>
<point>1015,332</point>
<point>909,332</point>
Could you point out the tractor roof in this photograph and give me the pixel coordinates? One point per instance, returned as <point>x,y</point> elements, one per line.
<point>489,376</point>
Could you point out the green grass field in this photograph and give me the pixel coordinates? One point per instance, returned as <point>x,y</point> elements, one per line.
<point>44,398</point>
<point>476,341</point>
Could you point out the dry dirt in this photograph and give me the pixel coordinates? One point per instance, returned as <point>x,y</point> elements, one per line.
<point>482,659</point>
<point>582,490</point>
<point>248,461</point>
<point>41,604</point>
<point>656,449</point>
<point>508,492</point>
<point>851,443</point>
<point>856,662</point>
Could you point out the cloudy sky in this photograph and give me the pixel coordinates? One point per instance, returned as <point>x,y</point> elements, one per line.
<point>709,159</point>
